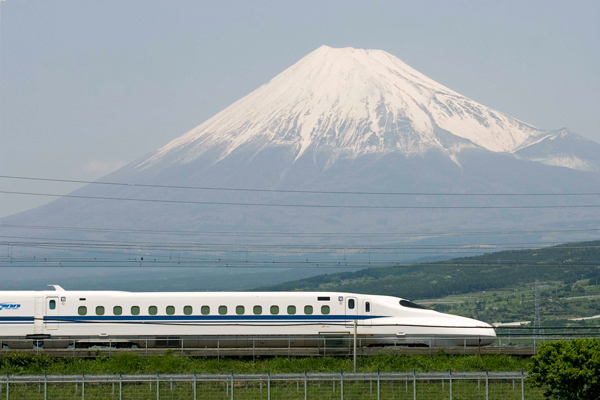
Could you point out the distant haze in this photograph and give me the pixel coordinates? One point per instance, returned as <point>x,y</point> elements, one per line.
<point>337,121</point>
<point>87,87</point>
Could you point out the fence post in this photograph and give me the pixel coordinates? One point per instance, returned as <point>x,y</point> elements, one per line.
<point>268,385</point>
<point>7,385</point>
<point>522,384</point>
<point>83,384</point>
<point>450,379</point>
<point>157,385</point>
<point>415,384</point>
<point>120,385</point>
<point>487,386</point>
<point>355,329</point>
<point>195,385</point>
<point>342,384</point>
<point>231,384</point>
<point>45,385</point>
<point>378,381</point>
<point>305,385</point>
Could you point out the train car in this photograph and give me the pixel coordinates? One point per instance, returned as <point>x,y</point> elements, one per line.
<point>197,319</point>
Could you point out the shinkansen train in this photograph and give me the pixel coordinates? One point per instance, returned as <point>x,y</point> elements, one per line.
<point>195,319</point>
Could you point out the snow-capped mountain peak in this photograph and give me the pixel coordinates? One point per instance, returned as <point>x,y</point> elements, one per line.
<point>350,102</point>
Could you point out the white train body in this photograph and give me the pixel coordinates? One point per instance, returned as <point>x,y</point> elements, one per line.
<point>84,315</point>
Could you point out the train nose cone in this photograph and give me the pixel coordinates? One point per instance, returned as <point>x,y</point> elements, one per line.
<point>477,333</point>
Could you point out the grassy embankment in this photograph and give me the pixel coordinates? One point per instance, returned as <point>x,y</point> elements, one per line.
<point>172,363</point>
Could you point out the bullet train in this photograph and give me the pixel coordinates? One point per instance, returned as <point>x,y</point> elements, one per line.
<point>235,319</point>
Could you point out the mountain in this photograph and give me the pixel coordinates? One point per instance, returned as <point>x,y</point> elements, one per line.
<point>349,103</point>
<point>338,120</point>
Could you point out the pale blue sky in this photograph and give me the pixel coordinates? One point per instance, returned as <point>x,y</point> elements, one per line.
<point>87,86</point>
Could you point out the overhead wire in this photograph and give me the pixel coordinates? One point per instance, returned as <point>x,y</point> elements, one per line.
<point>296,234</point>
<point>338,206</point>
<point>146,185</point>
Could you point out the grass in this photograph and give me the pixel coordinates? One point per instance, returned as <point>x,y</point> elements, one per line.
<point>326,390</point>
<point>128,363</point>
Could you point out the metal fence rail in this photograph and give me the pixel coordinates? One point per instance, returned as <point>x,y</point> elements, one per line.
<point>398,385</point>
<point>251,346</point>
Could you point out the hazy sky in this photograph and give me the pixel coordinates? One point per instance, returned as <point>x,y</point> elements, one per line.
<point>87,86</point>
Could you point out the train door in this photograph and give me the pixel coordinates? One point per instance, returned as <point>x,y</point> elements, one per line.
<point>352,310</point>
<point>367,312</point>
<point>52,312</point>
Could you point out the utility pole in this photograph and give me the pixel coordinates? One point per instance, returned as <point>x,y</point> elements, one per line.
<point>537,321</point>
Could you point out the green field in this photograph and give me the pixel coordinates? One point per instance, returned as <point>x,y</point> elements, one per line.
<point>461,390</point>
<point>16,364</point>
<point>127,363</point>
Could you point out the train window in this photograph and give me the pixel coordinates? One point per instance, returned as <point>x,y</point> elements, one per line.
<point>222,310</point>
<point>205,310</point>
<point>99,310</point>
<point>351,304</point>
<point>308,310</point>
<point>52,304</point>
<point>291,310</point>
<point>274,310</point>
<point>325,310</point>
<point>410,304</point>
<point>187,310</point>
<point>117,310</point>
<point>240,310</point>
<point>323,298</point>
<point>170,310</point>
<point>82,310</point>
<point>367,306</point>
<point>152,310</point>
<point>135,310</point>
<point>257,310</point>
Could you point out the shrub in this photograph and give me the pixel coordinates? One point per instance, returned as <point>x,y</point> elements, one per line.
<point>570,370</point>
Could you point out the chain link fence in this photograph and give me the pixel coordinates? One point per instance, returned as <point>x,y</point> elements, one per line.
<point>407,385</point>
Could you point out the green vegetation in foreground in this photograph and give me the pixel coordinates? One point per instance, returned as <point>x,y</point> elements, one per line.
<point>128,363</point>
<point>568,369</point>
<point>567,273</point>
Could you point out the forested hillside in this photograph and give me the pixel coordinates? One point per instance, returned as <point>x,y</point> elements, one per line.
<point>565,263</point>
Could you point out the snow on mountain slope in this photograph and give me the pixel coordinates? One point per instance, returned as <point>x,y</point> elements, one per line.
<point>351,102</point>
<point>564,149</point>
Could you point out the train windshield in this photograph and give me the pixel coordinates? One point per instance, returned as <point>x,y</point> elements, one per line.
<point>410,304</point>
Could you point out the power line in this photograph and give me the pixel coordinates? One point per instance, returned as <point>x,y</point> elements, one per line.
<point>240,264</point>
<point>289,190</point>
<point>279,234</point>
<point>295,205</point>
<point>183,245</point>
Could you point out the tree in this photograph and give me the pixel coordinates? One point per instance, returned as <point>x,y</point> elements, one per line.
<point>569,369</point>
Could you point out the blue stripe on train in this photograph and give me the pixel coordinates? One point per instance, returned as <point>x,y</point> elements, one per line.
<point>17,319</point>
<point>206,318</point>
